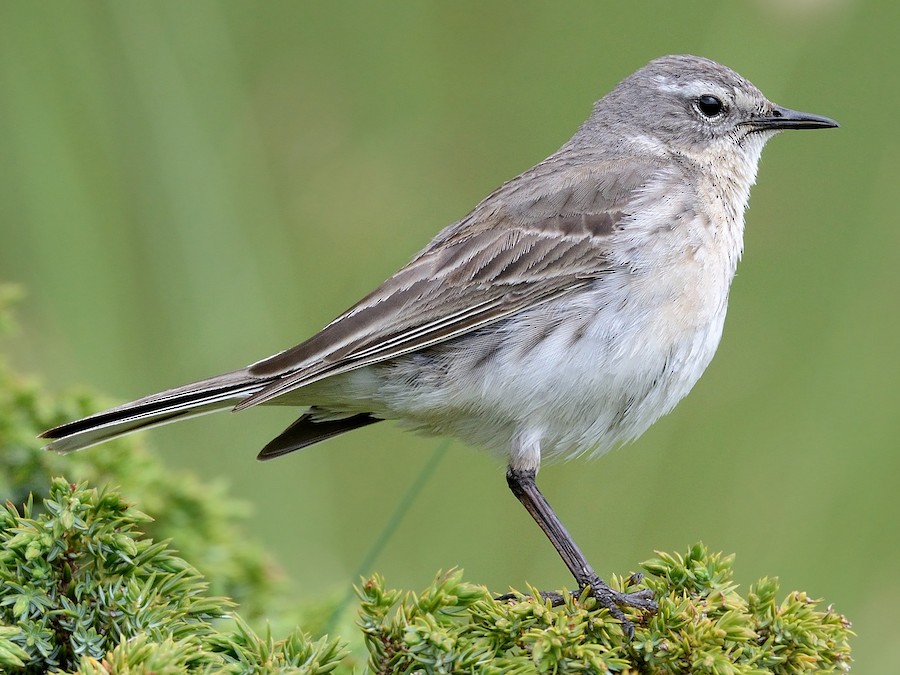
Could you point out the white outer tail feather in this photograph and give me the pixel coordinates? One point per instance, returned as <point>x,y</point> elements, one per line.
<point>199,398</point>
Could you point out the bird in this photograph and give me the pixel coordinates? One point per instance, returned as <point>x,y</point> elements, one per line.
<point>568,311</point>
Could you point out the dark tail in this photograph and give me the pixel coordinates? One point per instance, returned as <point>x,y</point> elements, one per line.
<point>198,398</point>
<point>309,430</point>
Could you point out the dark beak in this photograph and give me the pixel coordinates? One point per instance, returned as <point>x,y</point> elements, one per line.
<point>784,118</point>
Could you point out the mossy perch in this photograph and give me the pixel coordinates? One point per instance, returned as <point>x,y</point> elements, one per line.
<point>84,590</point>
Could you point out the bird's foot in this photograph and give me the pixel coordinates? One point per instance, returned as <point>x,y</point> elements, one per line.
<point>606,597</point>
<point>614,601</point>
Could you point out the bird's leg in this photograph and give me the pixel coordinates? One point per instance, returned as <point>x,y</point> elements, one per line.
<point>523,486</point>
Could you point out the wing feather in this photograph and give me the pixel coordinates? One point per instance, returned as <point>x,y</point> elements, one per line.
<point>425,304</point>
<point>494,263</point>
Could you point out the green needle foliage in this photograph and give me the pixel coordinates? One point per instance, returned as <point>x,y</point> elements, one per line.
<point>89,584</point>
<point>81,590</point>
<point>703,626</point>
<point>199,515</point>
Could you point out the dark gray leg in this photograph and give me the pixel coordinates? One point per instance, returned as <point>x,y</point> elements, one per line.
<point>525,489</point>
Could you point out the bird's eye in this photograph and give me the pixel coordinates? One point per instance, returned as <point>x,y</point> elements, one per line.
<point>710,105</point>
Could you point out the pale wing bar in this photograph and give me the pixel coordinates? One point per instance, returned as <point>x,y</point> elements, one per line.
<point>380,327</point>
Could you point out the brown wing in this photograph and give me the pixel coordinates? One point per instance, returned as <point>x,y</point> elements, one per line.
<point>494,263</point>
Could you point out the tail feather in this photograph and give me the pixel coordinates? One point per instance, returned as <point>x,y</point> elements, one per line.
<point>310,429</point>
<point>199,398</point>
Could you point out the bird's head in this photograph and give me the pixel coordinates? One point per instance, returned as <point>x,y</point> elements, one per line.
<point>698,108</point>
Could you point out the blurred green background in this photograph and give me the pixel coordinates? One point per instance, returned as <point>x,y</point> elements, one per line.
<point>187,187</point>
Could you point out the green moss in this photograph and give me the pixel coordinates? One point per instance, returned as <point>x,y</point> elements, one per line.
<point>703,626</point>
<point>91,584</point>
<point>204,520</point>
<point>82,590</point>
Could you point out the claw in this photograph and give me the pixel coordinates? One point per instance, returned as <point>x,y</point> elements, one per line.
<point>615,600</point>
<point>555,597</point>
<point>606,597</point>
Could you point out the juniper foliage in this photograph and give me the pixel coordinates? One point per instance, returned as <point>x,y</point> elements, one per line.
<point>90,584</point>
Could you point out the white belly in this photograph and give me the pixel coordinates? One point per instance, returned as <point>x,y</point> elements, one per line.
<point>579,375</point>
